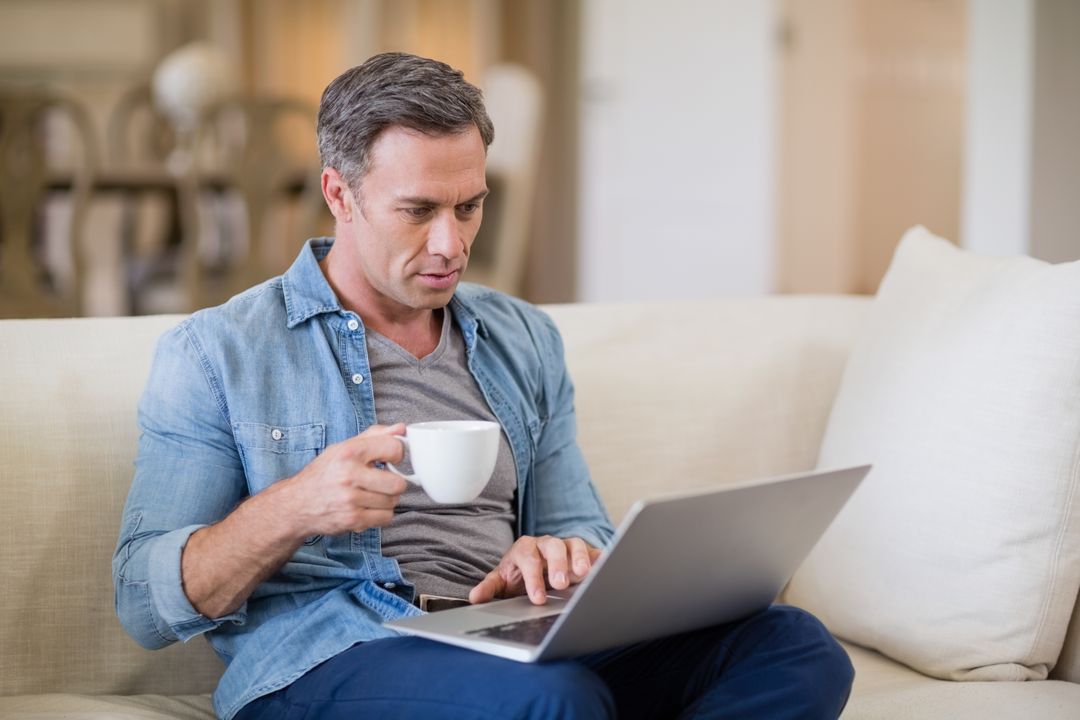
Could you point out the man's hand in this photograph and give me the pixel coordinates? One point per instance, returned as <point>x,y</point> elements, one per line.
<point>339,491</point>
<point>342,490</point>
<point>524,567</point>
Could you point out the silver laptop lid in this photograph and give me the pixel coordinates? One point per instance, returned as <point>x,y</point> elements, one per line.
<point>677,563</point>
<point>691,560</point>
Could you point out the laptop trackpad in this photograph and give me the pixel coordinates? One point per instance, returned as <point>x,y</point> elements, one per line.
<point>522,607</point>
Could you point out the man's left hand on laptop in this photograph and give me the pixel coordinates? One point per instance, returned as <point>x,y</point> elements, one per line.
<point>532,564</point>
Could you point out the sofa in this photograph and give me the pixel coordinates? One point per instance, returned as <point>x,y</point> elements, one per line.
<point>670,396</point>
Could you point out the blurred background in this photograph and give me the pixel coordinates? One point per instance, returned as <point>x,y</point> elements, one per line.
<point>159,155</point>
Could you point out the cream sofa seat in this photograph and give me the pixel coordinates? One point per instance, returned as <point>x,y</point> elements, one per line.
<point>670,396</point>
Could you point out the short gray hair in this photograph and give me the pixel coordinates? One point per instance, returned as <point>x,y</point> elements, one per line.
<point>393,89</point>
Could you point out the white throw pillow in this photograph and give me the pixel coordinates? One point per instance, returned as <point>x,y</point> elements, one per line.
<point>960,554</point>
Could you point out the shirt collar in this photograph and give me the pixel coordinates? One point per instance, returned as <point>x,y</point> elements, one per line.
<point>468,319</point>
<point>307,292</point>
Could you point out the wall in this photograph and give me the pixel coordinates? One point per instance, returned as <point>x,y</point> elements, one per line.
<point>816,174</point>
<point>871,135</point>
<point>911,97</point>
<point>998,154</point>
<point>1023,151</point>
<point>1055,126</point>
<point>676,162</point>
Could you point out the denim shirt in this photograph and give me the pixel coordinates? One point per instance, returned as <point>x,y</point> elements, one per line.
<point>248,393</point>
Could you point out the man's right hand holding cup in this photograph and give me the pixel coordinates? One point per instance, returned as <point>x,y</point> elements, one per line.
<point>342,490</point>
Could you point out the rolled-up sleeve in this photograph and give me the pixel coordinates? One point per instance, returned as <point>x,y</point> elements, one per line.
<point>188,474</point>
<point>565,502</point>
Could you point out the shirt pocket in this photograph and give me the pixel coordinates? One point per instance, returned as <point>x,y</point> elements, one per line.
<point>275,452</point>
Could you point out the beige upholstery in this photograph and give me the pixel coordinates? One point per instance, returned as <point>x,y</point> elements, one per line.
<point>107,707</point>
<point>1068,667</point>
<point>67,439</point>
<point>669,395</point>
<point>885,690</point>
<point>960,554</point>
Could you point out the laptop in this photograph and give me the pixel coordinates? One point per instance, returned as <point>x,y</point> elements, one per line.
<point>677,563</point>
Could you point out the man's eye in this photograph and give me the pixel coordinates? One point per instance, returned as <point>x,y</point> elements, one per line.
<point>468,208</point>
<point>418,213</point>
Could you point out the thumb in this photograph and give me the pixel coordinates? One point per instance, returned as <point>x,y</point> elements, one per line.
<point>486,589</point>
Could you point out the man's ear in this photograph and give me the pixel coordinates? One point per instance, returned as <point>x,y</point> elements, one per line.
<point>337,194</point>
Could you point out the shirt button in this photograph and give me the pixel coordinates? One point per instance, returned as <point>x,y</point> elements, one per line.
<point>276,434</point>
<point>390,585</point>
<point>353,324</point>
<point>357,379</point>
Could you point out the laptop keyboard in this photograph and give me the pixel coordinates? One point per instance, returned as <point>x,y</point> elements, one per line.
<point>526,632</point>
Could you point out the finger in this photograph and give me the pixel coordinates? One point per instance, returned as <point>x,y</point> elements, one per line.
<point>379,430</point>
<point>370,518</point>
<point>526,557</point>
<point>554,551</point>
<point>377,447</point>
<point>375,500</point>
<point>383,482</point>
<point>487,589</point>
<point>580,561</point>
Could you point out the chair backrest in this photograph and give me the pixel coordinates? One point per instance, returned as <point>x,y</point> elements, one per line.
<point>30,286</point>
<point>237,147</point>
<point>243,201</point>
<point>515,103</point>
<point>137,132</point>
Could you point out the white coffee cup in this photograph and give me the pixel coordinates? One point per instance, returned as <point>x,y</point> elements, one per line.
<point>452,460</point>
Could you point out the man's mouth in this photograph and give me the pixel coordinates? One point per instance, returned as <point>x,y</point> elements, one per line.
<point>440,280</point>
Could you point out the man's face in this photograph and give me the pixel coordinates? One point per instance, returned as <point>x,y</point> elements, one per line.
<point>414,218</point>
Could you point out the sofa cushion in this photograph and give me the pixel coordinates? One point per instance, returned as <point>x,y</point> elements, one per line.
<point>59,706</point>
<point>67,440</point>
<point>960,553</point>
<point>887,690</point>
<point>684,395</point>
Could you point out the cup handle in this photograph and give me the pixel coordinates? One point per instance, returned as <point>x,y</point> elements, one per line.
<point>390,466</point>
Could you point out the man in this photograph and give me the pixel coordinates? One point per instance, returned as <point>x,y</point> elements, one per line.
<point>261,515</point>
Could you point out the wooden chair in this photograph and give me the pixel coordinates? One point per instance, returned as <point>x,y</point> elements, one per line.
<point>232,172</point>
<point>31,286</point>
<point>250,161</point>
<point>139,139</point>
<point>515,102</point>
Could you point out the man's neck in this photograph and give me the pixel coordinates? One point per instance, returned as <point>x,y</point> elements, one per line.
<point>416,331</point>
<point>419,339</point>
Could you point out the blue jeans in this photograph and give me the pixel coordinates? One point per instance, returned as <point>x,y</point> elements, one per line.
<point>780,663</point>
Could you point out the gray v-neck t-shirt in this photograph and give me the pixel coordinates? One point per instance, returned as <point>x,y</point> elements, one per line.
<point>441,549</point>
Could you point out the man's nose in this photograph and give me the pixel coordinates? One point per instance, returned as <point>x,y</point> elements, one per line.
<point>446,236</point>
